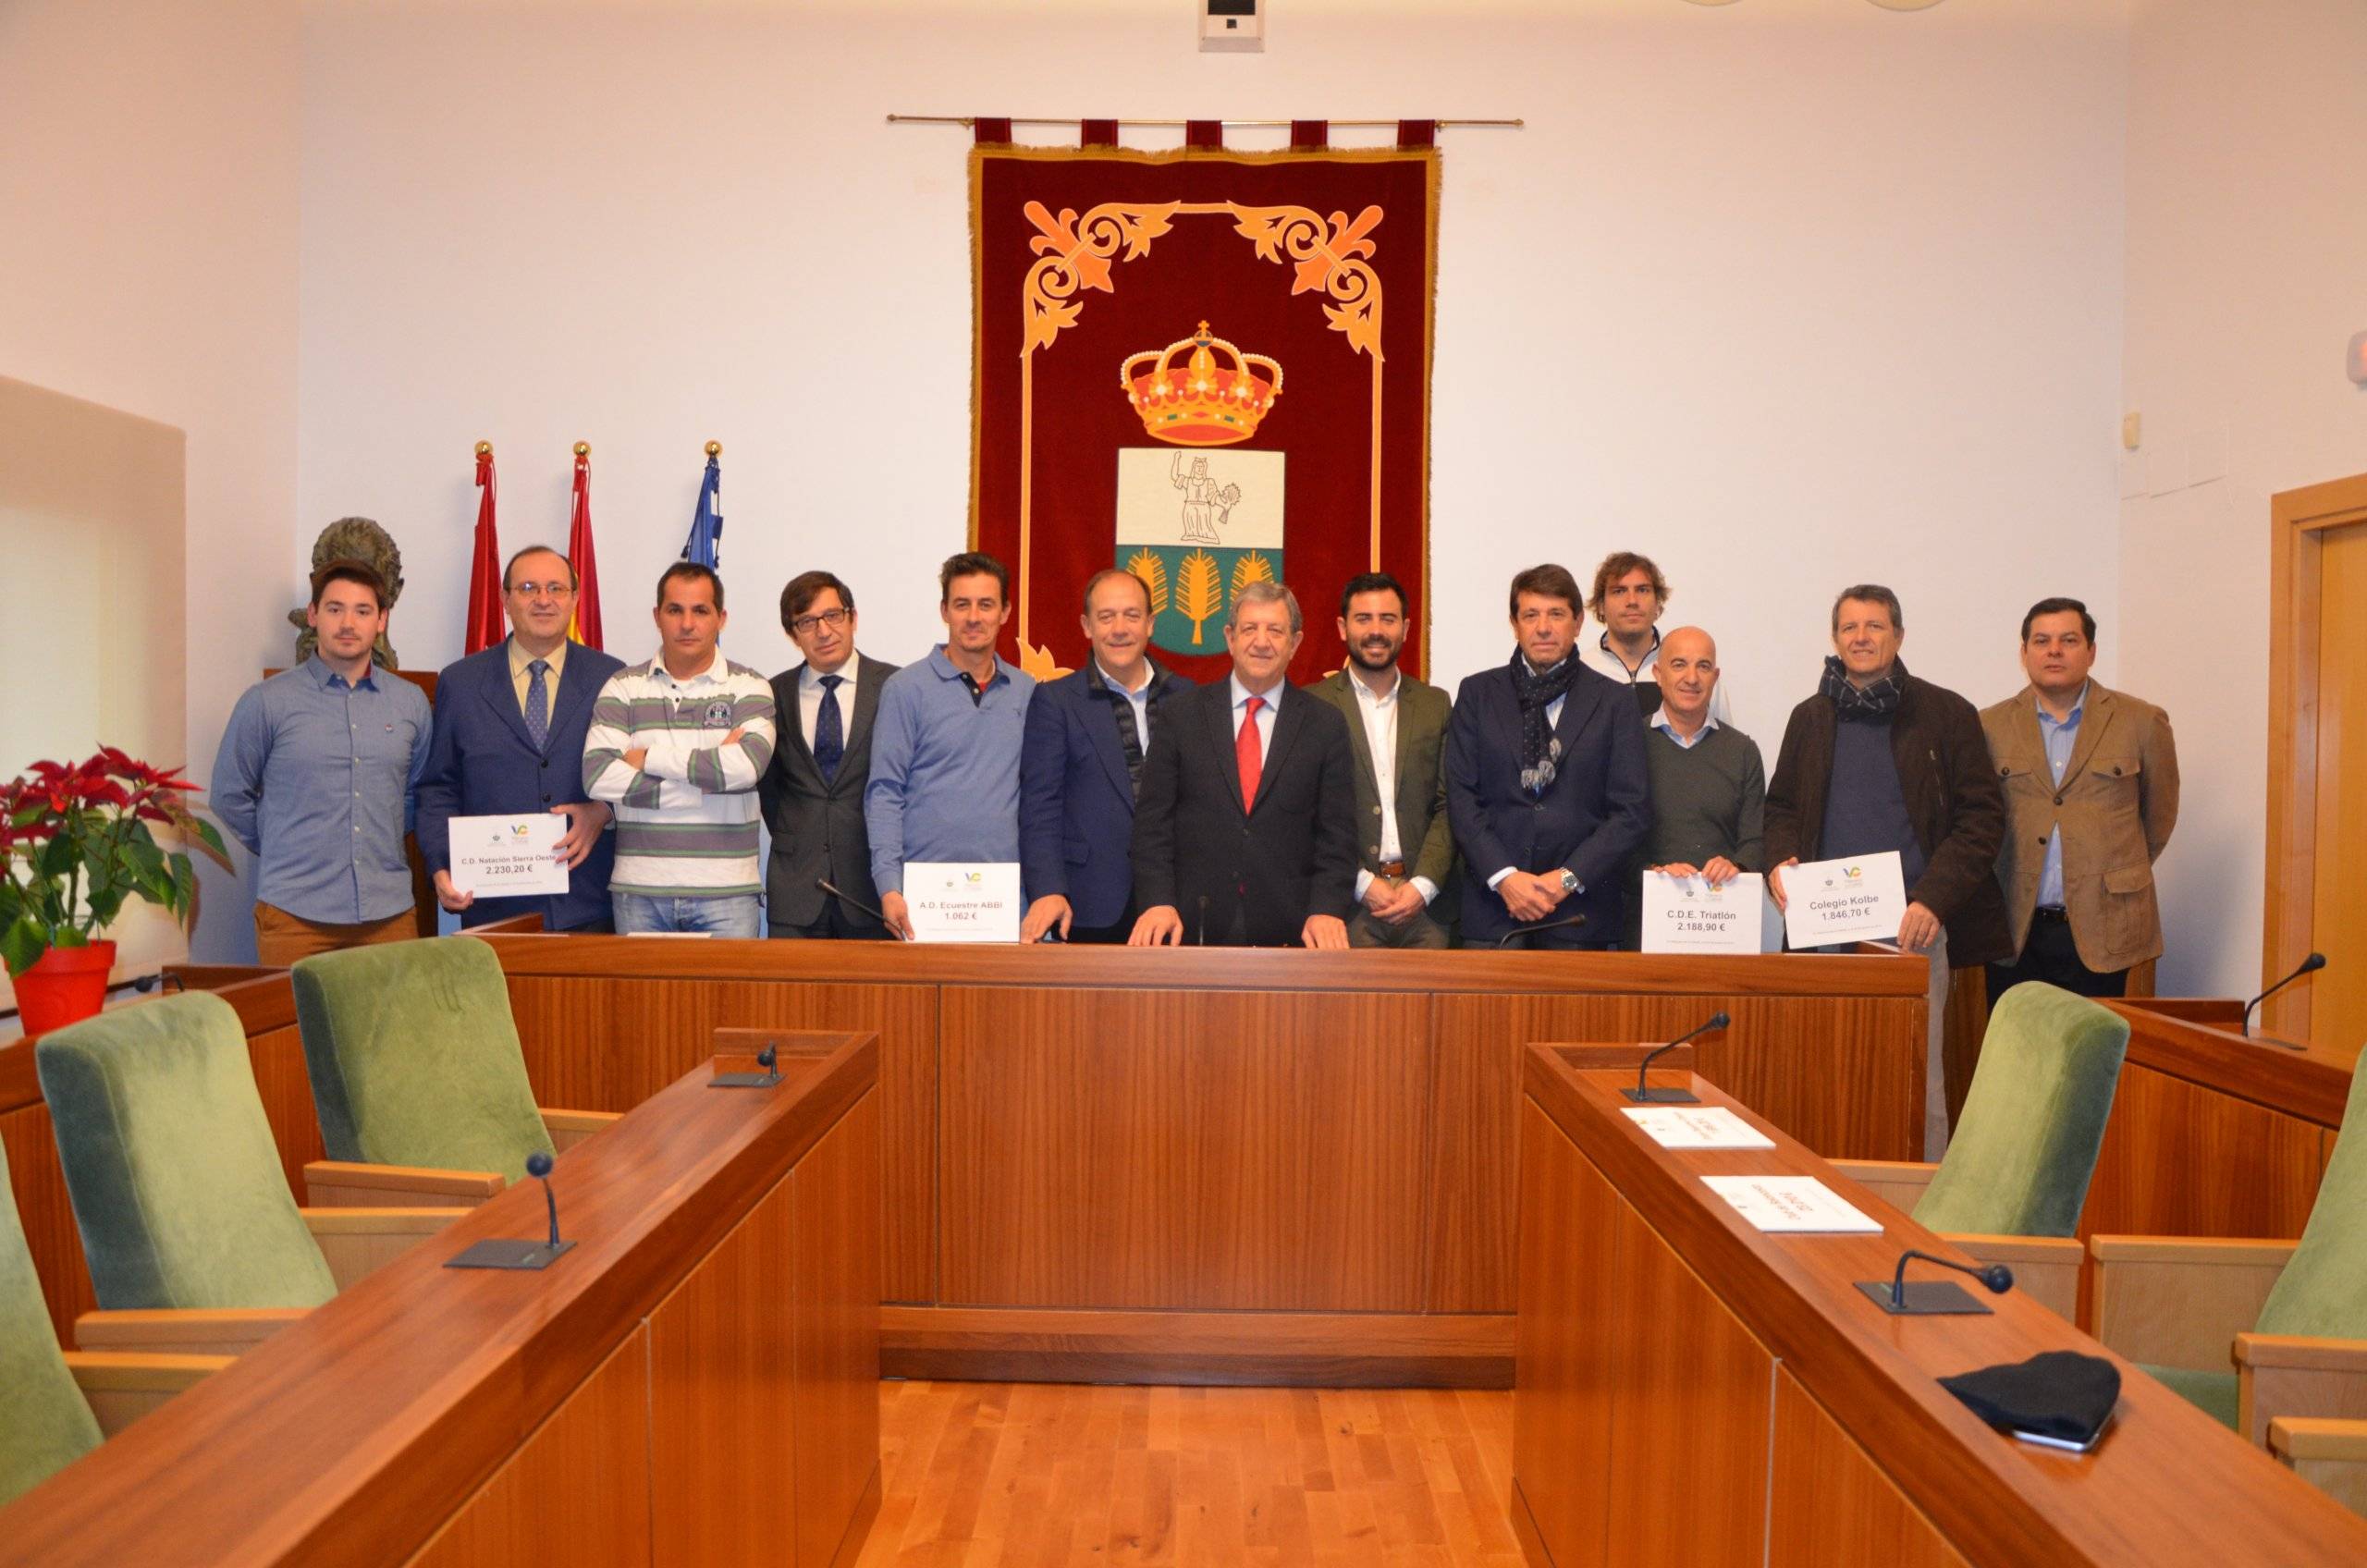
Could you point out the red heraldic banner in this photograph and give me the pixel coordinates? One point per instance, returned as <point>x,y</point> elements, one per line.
<point>1210,368</point>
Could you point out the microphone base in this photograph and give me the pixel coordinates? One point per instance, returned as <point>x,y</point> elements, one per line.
<point>508,1255</point>
<point>1926,1298</point>
<point>1662,1096</point>
<point>743,1080</point>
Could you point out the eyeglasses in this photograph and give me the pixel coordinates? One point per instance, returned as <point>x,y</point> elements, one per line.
<point>543,590</point>
<point>805,625</point>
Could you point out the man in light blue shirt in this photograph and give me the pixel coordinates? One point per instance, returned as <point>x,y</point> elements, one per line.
<point>945,744</point>
<point>318,777</point>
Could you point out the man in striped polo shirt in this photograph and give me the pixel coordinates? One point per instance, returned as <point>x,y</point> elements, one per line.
<point>676,746</point>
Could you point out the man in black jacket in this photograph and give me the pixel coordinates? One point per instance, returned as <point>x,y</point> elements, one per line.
<point>1876,761</point>
<point>1244,833</point>
<point>813,789</point>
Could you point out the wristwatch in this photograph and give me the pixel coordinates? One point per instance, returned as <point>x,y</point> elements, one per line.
<point>1569,883</point>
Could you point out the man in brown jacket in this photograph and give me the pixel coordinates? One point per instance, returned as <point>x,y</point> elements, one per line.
<point>2091,778</point>
<point>1878,760</point>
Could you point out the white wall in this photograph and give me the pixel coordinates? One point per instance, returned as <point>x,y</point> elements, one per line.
<point>1788,294</point>
<point>2246,276</point>
<point>148,253</point>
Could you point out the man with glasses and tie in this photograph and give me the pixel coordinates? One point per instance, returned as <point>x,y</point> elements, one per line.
<point>508,739</point>
<point>813,791</point>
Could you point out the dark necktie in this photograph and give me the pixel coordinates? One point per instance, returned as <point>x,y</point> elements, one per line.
<point>830,736</point>
<point>538,703</point>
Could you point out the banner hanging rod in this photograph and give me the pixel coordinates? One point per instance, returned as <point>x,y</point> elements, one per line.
<point>1230,124</point>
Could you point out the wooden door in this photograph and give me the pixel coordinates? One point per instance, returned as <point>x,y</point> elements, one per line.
<point>2338,889</point>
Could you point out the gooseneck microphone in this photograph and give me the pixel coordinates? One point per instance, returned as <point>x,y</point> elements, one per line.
<point>1505,941</point>
<point>823,884</point>
<point>1643,1095</point>
<point>1927,1298</point>
<point>1204,919</point>
<point>2309,965</point>
<point>538,1165</point>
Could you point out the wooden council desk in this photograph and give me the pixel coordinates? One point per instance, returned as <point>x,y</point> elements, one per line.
<point>1696,1393</point>
<point>1206,1165</point>
<point>695,1382</point>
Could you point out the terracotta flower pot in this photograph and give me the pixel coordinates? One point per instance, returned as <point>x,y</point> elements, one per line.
<point>64,985</point>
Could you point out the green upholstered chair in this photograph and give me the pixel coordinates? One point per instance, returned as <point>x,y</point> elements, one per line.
<point>177,1187</point>
<point>2016,1174</point>
<point>418,1075</point>
<point>54,1407</point>
<point>2253,1331</point>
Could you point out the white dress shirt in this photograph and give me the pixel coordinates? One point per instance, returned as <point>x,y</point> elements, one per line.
<point>1685,742</point>
<point>1380,715</point>
<point>809,698</point>
<point>1265,717</point>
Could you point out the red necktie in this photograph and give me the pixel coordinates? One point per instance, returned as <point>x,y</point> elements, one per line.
<point>1247,752</point>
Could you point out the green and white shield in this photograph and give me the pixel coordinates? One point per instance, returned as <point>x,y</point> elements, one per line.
<point>1198,527</point>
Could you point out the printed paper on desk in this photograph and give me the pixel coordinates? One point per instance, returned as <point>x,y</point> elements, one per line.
<point>950,902</point>
<point>1685,914</point>
<point>1858,900</point>
<point>1696,1127</point>
<point>1791,1202</point>
<point>508,856</point>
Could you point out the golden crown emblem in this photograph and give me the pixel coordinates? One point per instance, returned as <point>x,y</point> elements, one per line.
<point>1200,403</point>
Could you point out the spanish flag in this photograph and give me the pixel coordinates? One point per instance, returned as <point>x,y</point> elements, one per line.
<point>487,624</point>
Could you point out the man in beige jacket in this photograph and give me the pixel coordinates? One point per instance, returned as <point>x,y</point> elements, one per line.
<point>2090,777</point>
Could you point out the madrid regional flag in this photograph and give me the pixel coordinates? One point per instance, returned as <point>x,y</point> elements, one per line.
<point>1198,526</point>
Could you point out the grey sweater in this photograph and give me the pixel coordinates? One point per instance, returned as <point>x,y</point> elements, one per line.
<point>1709,801</point>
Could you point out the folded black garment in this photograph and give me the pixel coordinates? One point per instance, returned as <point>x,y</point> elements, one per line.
<point>2057,1393</point>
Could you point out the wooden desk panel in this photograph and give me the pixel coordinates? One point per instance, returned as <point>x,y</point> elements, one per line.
<point>835,1362</point>
<point>2181,1158</point>
<point>2168,1485</point>
<point>577,1491</point>
<point>595,1043</point>
<point>1827,1069</point>
<point>1830,1503</point>
<point>1183,1149</point>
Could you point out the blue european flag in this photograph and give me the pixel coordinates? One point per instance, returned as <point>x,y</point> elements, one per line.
<point>707,524</point>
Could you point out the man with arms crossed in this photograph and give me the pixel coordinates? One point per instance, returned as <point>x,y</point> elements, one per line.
<point>944,779</point>
<point>2090,777</point>
<point>1245,833</point>
<point>813,791</point>
<point>1397,737</point>
<point>510,728</point>
<point>677,745</point>
<point>1546,785</point>
<point>1879,760</point>
<point>318,774</point>
<point>1709,785</point>
<point>1081,767</point>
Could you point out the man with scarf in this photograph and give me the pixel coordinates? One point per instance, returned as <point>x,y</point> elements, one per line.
<point>1879,760</point>
<point>1546,785</point>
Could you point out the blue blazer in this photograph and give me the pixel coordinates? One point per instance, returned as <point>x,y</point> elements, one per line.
<point>1076,806</point>
<point>1592,816</point>
<point>481,764</point>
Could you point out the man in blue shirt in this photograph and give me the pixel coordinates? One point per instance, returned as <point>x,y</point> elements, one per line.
<point>318,776</point>
<point>946,741</point>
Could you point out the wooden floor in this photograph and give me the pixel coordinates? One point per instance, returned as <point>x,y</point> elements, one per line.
<point>1045,1474</point>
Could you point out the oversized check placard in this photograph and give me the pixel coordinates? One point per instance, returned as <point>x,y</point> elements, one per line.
<point>508,856</point>
<point>955,903</point>
<point>1685,914</point>
<point>1858,900</point>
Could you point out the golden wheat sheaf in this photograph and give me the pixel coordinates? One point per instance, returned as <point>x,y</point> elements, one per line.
<point>1145,565</point>
<point>1251,567</point>
<point>1199,591</point>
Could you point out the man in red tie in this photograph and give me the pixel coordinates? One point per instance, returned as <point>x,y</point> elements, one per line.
<point>1245,832</point>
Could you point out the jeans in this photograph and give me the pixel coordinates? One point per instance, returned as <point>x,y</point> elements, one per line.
<point>733,914</point>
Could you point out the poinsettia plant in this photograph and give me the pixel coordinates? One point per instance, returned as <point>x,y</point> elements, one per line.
<point>75,843</point>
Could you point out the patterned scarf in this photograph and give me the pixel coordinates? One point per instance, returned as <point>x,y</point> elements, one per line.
<point>1539,749</point>
<point>1871,704</point>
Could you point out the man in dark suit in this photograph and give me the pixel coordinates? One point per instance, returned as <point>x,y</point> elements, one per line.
<point>1245,832</point>
<point>1397,734</point>
<point>509,741</point>
<point>1546,782</point>
<point>1080,765</point>
<point>813,789</point>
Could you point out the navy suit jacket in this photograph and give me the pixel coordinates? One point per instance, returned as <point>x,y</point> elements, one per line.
<point>481,764</point>
<point>1594,814</point>
<point>1076,805</point>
